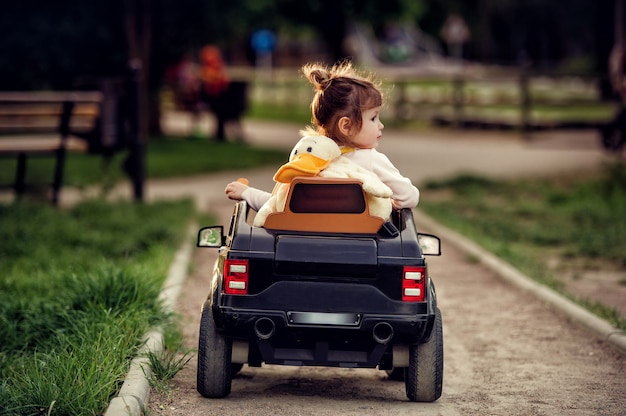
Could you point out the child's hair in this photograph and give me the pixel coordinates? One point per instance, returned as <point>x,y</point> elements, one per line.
<point>340,92</point>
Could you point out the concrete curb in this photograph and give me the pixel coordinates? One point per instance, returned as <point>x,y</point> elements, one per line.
<point>599,327</point>
<point>132,399</point>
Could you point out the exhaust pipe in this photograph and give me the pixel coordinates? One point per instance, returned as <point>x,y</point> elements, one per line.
<point>264,328</point>
<point>382,332</point>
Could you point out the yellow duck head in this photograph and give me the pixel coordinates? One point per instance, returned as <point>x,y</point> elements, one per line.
<point>309,157</point>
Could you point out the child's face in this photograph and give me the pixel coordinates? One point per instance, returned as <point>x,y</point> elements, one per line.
<point>371,130</point>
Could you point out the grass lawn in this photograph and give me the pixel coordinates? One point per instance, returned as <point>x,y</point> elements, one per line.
<point>575,223</point>
<point>166,157</point>
<point>78,289</point>
<point>79,286</point>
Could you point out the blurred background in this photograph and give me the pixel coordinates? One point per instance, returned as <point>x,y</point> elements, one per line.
<point>508,63</point>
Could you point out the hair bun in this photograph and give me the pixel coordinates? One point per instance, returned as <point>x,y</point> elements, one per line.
<point>317,75</point>
<point>321,79</point>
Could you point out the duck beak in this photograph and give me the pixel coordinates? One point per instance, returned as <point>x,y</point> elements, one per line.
<point>302,165</point>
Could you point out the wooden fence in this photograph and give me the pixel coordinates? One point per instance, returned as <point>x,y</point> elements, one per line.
<point>507,99</point>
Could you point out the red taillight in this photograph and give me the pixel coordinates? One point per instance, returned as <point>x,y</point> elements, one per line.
<point>413,283</point>
<point>235,277</point>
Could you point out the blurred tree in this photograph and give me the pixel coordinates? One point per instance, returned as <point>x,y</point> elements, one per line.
<point>46,44</point>
<point>548,33</point>
<point>68,44</point>
<point>53,45</point>
<point>57,45</point>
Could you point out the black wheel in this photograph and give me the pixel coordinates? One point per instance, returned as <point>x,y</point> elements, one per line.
<point>214,375</point>
<point>424,376</point>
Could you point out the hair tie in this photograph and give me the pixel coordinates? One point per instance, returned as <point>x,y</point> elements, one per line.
<point>326,83</point>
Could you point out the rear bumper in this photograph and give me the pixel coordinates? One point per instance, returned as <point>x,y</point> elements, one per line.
<point>321,339</point>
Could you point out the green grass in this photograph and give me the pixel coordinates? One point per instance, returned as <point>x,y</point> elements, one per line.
<point>165,157</point>
<point>170,361</point>
<point>529,222</point>
<point>298,114</point>
<point>78,289</point>
<point>169,157</point>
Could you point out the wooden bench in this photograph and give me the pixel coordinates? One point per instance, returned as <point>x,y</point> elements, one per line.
<point>46,124</point>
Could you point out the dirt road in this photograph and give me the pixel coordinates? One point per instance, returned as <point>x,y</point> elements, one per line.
<point>506,353</point>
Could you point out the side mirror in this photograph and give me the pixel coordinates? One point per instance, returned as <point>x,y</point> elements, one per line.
<point>211,236</point>
<point>429,244</point>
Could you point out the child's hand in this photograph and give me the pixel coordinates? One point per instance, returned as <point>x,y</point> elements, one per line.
<point>235,189</point>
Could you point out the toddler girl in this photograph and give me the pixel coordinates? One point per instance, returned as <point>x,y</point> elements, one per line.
<point>346,107</point>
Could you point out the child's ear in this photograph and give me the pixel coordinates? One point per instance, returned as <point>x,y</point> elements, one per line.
<point>345,125</point>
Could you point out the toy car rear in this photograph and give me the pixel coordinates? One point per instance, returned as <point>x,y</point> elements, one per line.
<point>359,300</point>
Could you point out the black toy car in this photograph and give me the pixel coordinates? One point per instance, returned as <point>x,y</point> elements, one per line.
<point>322,284</point>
